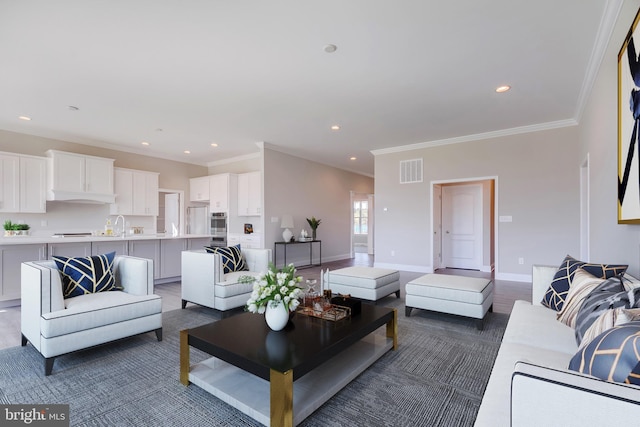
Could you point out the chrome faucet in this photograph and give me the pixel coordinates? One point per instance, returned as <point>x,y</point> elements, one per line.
<point>115,225</point>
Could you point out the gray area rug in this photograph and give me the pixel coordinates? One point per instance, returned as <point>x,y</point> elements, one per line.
<point>436,378</point>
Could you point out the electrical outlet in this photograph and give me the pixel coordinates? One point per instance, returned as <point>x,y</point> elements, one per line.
<point>43,223</point>
<point>393,253</point>
<point>521,261</point>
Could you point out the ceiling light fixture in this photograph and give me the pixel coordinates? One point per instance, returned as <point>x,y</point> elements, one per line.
<point>504,88</point>
<point>144,143</point>
<point>24,118</point>
<point>187,152</point>
<point>214,145</point>
<point>330,48</point>
<point>72,108</point>
<point>353,158</point>
<point>335,127</point>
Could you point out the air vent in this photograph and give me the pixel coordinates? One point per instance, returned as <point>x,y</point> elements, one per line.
<point>410,171</point>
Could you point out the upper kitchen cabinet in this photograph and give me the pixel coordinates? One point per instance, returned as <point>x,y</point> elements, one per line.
<point>74,176</point>
<point>23,186</point>
<point>250,194</point>
<point>136,192</point>
<point>219,193</point>
<point>199,189</point>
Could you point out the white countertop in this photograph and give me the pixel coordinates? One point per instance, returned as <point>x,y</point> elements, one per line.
<point>27,240</point>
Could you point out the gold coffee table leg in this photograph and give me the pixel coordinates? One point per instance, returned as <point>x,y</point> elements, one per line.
<point>281,384</point>
<point>392,329</point>
<point>184,356</point>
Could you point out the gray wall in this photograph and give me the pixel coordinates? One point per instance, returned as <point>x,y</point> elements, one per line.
<point>537,184</point>
<point>609,241</point>
<point>303,189</point>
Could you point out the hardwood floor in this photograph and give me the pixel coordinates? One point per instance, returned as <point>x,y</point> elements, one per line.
<point>505,293</point>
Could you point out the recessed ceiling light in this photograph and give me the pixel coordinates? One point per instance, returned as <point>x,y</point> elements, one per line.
<point>353,158</point>
<point>144,143</point>
<point>335,127</point>
<point>72,108</point>
<point>214,144</point>
<point>330,48</point>
<point>501,89</point>
<point>187,152</point>
<point>24,118</point>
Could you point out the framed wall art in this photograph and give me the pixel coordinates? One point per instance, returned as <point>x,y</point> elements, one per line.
<point>629,127</point>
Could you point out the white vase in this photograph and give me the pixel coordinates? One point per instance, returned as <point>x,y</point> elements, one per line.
<point>276,316</point>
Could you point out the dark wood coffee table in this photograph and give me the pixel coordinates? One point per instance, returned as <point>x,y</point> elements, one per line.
<point>280,378</point>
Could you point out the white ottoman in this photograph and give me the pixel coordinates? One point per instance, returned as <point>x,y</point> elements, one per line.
<point>464,296</point>
<point>367,283</point>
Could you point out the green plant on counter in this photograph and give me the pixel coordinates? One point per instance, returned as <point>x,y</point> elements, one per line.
<point>10,226</point>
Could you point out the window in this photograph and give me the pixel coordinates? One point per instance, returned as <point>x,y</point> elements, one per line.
<point>360,217</point>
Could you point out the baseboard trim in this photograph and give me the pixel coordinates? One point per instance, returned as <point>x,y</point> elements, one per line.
<point>511,277</point>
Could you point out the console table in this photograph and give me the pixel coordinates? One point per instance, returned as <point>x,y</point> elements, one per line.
<point>310,243</point>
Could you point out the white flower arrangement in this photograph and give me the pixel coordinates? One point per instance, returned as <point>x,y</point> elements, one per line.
<point>273,287</point>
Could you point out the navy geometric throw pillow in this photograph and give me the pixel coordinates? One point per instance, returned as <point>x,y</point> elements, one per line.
<point>86,275</point>
<point>557,293</point>
<point>231,258</point>
<point>614,355</point>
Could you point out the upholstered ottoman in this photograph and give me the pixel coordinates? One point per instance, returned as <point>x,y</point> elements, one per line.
<point>463,296</point>
<point>368,283</point>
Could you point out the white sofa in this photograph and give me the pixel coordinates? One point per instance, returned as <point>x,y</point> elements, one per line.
<point>56,326</point>
<point>205,283</point>
<point>531,385</point>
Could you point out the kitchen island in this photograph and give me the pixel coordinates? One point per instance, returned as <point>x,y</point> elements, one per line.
<point>164,250</point>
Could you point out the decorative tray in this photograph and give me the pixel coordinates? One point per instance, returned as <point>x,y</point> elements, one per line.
<point>333,313</point>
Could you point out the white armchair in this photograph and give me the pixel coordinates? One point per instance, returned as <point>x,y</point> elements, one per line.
<point>205,283</point>
<point>56,326</point>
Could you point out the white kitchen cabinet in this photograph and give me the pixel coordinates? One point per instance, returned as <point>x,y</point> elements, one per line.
<point>149,249</point>
<point>219,193</point>
<point>250,194</point>
<point>74,176</point>
<point>199,189</point>
<point>249,241</point>
<point>70,250</point>
<point>11,259</point>
<point>110,244</point>
<point>33,184</point>
<point>136,192</point>
<point>23,185</point>
<point>9,188</point>
<point>171,257</point>
<point>197,243</point>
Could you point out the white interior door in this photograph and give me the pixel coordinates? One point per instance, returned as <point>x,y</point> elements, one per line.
<point>462,226</point>
<point>172,214</point>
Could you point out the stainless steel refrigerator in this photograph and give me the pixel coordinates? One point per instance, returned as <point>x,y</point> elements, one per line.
<point>198,221</point>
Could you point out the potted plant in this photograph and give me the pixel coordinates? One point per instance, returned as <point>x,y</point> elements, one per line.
<point>12,229</point>
<point>276,293</point>
<point>8,228</point>
<point>313,223</point>
<point>22,229</point>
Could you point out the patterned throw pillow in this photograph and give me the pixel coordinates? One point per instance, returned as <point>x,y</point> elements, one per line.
<point>582,285</point>
<point>613,355</point>
<point>86,275</point>
<point>231,258</point>
<point>557,292</point>
<point>608,295</point>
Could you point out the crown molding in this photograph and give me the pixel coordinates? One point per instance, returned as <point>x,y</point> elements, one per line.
<point>603,37</point>
<point>478,136</point>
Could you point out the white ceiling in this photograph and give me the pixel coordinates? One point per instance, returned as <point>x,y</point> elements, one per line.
<point>237,72</point>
